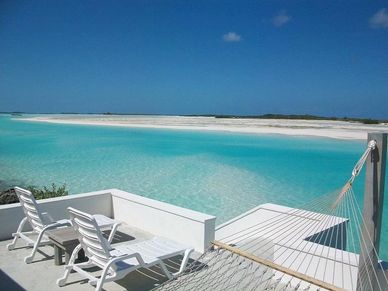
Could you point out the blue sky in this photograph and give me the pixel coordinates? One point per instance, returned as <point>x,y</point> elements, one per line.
<point>195,57</point>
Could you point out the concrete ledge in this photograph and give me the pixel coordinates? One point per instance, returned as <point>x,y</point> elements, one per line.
<point>184,225</point>
<point>189,227</point>
<point>92,202</point>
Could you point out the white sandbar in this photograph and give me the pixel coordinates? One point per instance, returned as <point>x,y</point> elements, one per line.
<point>318,128</point>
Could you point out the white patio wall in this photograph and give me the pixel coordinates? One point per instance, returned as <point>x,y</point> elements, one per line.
<point>189,227</point>
<point>92,202</point>
<point>183,225</point>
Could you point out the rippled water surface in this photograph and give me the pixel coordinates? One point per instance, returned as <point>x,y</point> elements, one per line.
<point>221,173</point>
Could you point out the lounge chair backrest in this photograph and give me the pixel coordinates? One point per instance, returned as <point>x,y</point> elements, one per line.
<point>96,247</point>
<point>30,208</point>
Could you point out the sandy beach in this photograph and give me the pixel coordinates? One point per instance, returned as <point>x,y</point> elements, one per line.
<point>331,129</point>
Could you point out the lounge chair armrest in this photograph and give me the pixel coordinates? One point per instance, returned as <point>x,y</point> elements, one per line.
<point>56,224</point>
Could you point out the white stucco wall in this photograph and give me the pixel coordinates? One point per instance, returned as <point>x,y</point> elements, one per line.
<point>92,202</point>
<point>189,227</point>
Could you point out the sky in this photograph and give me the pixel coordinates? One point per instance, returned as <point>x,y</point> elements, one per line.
<point>326,58</point>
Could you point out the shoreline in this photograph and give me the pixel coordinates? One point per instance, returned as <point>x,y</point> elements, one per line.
<point>311,128</point>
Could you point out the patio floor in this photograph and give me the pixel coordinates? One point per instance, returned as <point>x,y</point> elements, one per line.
<point>42,273</point>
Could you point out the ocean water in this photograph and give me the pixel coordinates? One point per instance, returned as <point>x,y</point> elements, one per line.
<point>218,173</point>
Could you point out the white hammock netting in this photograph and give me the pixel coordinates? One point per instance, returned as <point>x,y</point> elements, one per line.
<point>315,247</point>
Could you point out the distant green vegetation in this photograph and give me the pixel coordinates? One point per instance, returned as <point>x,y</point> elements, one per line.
<point>263,116</point>
<point>304,117</point>
<point>9,196</point>
<point>48,192</point>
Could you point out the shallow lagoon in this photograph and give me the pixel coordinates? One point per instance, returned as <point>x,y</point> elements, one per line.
<point>218,173</point>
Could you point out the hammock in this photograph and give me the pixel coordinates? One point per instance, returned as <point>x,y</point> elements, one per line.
<point>315,247</point>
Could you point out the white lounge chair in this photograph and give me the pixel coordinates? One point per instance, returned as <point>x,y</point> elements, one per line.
<point>117,261</point>
<point>41,222</point>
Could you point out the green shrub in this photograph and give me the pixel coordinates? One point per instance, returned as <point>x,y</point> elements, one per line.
<point>9,196</point>
<point>48,192</point>
<point>369,121</point>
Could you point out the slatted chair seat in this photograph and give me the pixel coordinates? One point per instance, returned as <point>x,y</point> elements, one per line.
<point>157,248</point>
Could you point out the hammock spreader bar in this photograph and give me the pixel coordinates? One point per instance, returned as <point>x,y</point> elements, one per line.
<point>277,267</point>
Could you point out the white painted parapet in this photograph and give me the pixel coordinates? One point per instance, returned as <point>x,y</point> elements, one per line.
<point>92,202</point>
<point>180,224</point>
<point>186,226</point>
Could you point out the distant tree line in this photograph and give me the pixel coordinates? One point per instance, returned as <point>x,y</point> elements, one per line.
<point>263,116</point>
<point>305,117</point>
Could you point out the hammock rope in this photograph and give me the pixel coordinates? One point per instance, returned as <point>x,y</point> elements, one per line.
<point>314,247</point>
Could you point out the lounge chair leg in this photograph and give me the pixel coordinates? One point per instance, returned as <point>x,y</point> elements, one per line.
<point>185,259</point>
<point>62,281</point>
<point>16,235</point>
<point>102,278</point>
<point>29,258</point>
<point>165,270</point>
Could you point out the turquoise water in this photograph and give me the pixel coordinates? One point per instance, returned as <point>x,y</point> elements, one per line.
<point>223,174</point>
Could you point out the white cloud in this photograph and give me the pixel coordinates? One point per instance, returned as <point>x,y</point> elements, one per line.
<point>379,19</point>
<point>281,18</point>
<point>231,37</point>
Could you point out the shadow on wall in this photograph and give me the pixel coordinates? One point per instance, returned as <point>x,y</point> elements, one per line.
<point>334,237</point>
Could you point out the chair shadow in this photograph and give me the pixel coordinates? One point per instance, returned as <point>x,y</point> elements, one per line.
<point>46,257</point>
<point>118,237</point>
<point>146,279</point>
<point>21,247</point>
